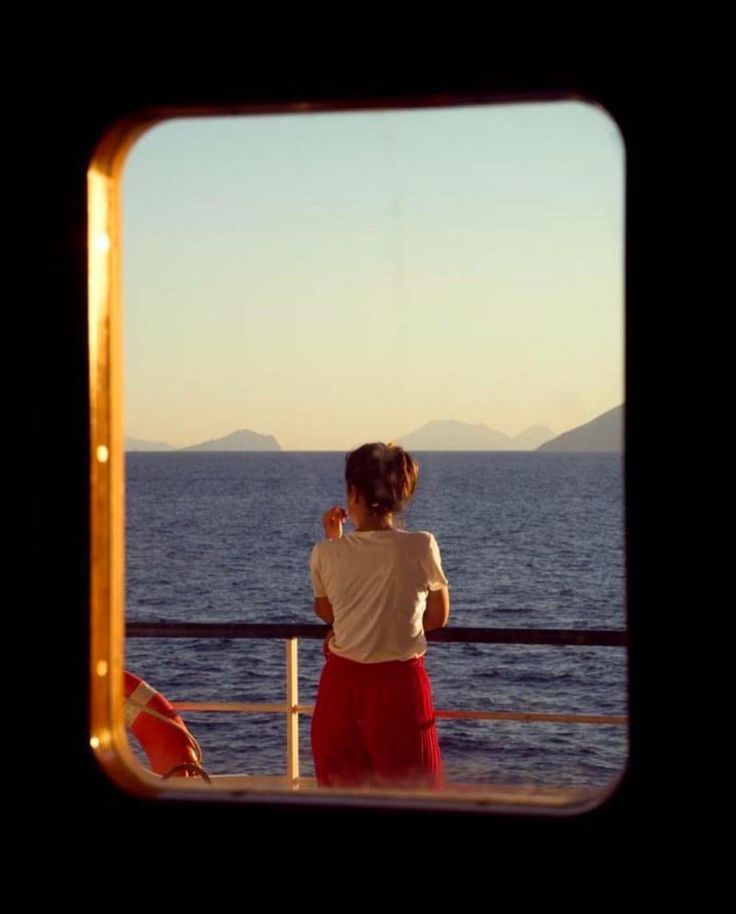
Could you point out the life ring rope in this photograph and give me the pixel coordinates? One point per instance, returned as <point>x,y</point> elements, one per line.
<point>189,768</point>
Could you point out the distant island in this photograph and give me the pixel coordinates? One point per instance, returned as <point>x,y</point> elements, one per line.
<point>241,440</point>
<point>604,433</point>
<point>138,444</point>
<point>452,435</point>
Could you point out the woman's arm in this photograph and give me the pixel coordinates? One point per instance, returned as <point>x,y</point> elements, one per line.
<point>438,609</point>
<point>323,608</point>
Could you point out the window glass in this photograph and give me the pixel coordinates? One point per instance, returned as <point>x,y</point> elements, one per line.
<point>450,279</point>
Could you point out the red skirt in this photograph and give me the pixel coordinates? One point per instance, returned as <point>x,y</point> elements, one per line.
<point>373,725</point>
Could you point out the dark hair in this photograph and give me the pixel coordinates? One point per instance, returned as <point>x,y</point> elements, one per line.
<point>384,474</point>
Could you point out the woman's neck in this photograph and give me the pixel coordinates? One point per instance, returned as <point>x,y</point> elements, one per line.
<point>386,522</point>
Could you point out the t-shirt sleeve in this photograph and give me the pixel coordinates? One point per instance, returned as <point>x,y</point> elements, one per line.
<point>314,570</point>
<point>436,579</point>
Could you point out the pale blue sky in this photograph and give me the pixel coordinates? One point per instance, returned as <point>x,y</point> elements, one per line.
<point>337,278</point>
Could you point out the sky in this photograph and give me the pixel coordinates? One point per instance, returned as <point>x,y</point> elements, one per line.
<point>336,278</point>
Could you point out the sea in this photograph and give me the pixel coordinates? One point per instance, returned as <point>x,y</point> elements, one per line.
<point>528,540</point>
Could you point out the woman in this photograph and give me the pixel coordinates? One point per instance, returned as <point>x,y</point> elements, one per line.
<point>381,589</point>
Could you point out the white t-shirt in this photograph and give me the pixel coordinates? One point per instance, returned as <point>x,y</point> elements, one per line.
<point>377,583</point>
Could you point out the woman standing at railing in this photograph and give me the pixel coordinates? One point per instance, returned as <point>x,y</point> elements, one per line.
<point>380,588</point>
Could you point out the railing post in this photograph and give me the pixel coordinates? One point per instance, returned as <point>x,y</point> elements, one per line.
<point>292,715</point>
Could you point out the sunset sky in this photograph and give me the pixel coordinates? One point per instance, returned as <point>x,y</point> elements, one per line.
<point>337,278</point>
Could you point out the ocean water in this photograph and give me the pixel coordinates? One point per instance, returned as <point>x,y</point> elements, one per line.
<point>527,540</point>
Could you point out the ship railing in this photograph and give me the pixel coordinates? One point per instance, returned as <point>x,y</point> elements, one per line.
<point>291,707</point>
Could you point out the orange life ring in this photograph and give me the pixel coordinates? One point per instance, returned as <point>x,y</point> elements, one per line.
<point>170,748</point>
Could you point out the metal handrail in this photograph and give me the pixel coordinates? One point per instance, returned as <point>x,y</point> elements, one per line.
<point>291,632</point>
<point>601,637</point>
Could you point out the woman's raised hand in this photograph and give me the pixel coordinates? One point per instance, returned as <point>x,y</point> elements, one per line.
<point>332,521</point>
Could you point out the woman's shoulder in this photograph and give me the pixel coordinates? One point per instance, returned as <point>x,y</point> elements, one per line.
<point>422,539</point>
<point>416,539</point>
<point>318,549</point>
<point>326,547</point>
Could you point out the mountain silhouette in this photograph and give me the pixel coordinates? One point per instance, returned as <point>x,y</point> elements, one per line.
<point>241,440</point>
<point>452,435</point>
<point>531,438</point>
<point>139,444</point>
<point>604,433</point>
